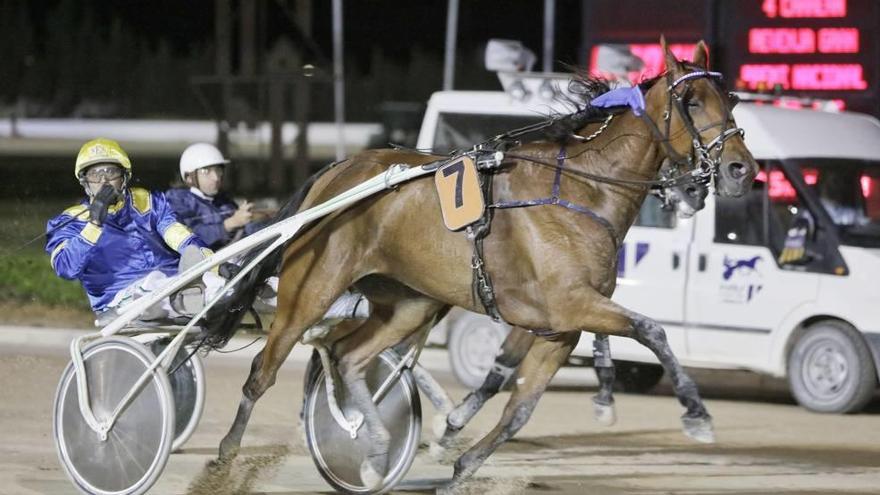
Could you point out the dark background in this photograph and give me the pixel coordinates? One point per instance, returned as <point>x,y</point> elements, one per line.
<point>143,58</point>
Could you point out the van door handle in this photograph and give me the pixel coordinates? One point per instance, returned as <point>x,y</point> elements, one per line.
<point>701,263</point>
<point>676,261</point>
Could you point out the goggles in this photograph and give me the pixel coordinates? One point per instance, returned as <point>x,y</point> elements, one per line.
<point>217,170</point>
<point>100,173</point>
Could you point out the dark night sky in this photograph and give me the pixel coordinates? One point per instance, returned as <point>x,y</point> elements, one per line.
<point>392,25</point>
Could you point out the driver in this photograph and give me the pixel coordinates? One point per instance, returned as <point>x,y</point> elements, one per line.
<point>203,207</point>
<point>119,242</point>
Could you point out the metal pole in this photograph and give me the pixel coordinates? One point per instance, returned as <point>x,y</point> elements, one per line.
<point>301,94</point>
<point>549,33</point>
<point>223,68</point>
<point>451,35</point>
<point>338,80</point>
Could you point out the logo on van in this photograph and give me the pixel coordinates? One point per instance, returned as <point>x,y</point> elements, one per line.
<point>641,251</point>
<point>742,280</point>
<point>730,265</point>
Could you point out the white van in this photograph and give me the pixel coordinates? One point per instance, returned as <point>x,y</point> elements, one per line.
<point>715,281</point>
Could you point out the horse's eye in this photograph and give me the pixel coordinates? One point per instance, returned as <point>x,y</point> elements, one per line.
<point>693,103</point>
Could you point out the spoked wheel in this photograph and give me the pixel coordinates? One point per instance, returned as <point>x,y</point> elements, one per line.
<point>187,388</point>
<point>136,448</point>
<point>337,456</point>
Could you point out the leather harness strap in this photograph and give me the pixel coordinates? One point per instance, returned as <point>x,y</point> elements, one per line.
<point>481,285</point>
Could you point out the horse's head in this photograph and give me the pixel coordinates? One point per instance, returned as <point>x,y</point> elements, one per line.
<point>691,117</point>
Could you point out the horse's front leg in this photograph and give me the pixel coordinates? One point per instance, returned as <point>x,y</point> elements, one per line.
<point>537,369</point>
<point>606,316</point>
<point>696,421</point>
<point>603,401</point>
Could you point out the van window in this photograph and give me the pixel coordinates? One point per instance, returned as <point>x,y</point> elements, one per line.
<point>742,220</point>
<point>849,191</point>
<point>761,217</point>
<point>463,130</point>
<point>653,215</point>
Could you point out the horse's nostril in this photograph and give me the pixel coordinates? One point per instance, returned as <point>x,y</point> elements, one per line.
<point>738,170</point>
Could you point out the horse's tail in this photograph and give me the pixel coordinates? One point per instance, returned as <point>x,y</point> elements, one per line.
<point>222,320</point>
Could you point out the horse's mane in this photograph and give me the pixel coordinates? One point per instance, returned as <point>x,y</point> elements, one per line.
<point>585,87</point>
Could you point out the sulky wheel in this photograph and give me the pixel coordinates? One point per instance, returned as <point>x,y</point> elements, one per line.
<point>187,378</point>
<point>337,456</point>
<point>136,448</point>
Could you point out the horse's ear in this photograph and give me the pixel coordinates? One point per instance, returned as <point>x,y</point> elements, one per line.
<point>672,63</point>
<point>701,55</point>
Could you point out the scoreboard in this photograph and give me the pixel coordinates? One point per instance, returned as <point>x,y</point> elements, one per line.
<point>820,48</point>
<point>825,48</point>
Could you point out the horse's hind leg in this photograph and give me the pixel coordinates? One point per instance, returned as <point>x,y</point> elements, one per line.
<point>537,369</point>
<point>603,401</point>
<point>306,301</point>
<point>513,350</point>
<point>386,326</point>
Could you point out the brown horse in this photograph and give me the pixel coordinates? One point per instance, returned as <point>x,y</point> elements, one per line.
<point>553,267</point>
<point>685,199</point>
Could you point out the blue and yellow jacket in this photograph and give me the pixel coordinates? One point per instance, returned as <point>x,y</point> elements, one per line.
<point>205,215</point>
<point>140,235</point>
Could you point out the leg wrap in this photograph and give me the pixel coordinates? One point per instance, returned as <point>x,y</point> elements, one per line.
<point>498,376</point>
<point>602,352</point>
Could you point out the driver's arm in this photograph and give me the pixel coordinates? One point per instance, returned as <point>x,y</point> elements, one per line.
<point>175,234</point>
<point>72,246</point>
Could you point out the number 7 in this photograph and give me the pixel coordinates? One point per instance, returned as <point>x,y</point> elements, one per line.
<point>456,168</point>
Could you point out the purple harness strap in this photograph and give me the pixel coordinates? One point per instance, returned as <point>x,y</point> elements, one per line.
<point>554,199</point>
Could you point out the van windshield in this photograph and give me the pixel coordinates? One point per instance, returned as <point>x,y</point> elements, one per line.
<point>464,130</point>
<point>849,190</point>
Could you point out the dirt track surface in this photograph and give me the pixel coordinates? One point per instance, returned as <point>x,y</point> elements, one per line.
<point>767,446</point>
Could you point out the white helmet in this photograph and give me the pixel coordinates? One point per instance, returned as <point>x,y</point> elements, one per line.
<point>200,155</point>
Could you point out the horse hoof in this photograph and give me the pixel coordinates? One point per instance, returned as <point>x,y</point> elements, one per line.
<point>371,479</point>
<point>605,414</point>
<point>457,418</point>
<point>438,425</point>
<point>227,452</point>
<point>700,429</point>
<point>448,489</point>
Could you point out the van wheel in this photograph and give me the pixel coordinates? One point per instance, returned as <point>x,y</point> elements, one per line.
<point>473,345</point>
<point>830,369</point>
<point>636,378</point>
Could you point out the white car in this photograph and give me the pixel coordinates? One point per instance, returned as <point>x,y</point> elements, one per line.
<point>715,281</point>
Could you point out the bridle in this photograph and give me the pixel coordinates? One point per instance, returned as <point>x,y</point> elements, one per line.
<point>704,160</point>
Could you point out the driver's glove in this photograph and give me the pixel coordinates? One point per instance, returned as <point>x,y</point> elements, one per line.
<point>101,203</point>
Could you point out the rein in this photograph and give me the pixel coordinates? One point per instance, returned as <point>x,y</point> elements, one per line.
<point>693,176</point>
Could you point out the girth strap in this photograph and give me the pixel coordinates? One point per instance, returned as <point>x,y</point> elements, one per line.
<point>481,285</point>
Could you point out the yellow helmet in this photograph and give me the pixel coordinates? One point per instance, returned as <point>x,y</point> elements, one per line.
<point>101,150</point>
